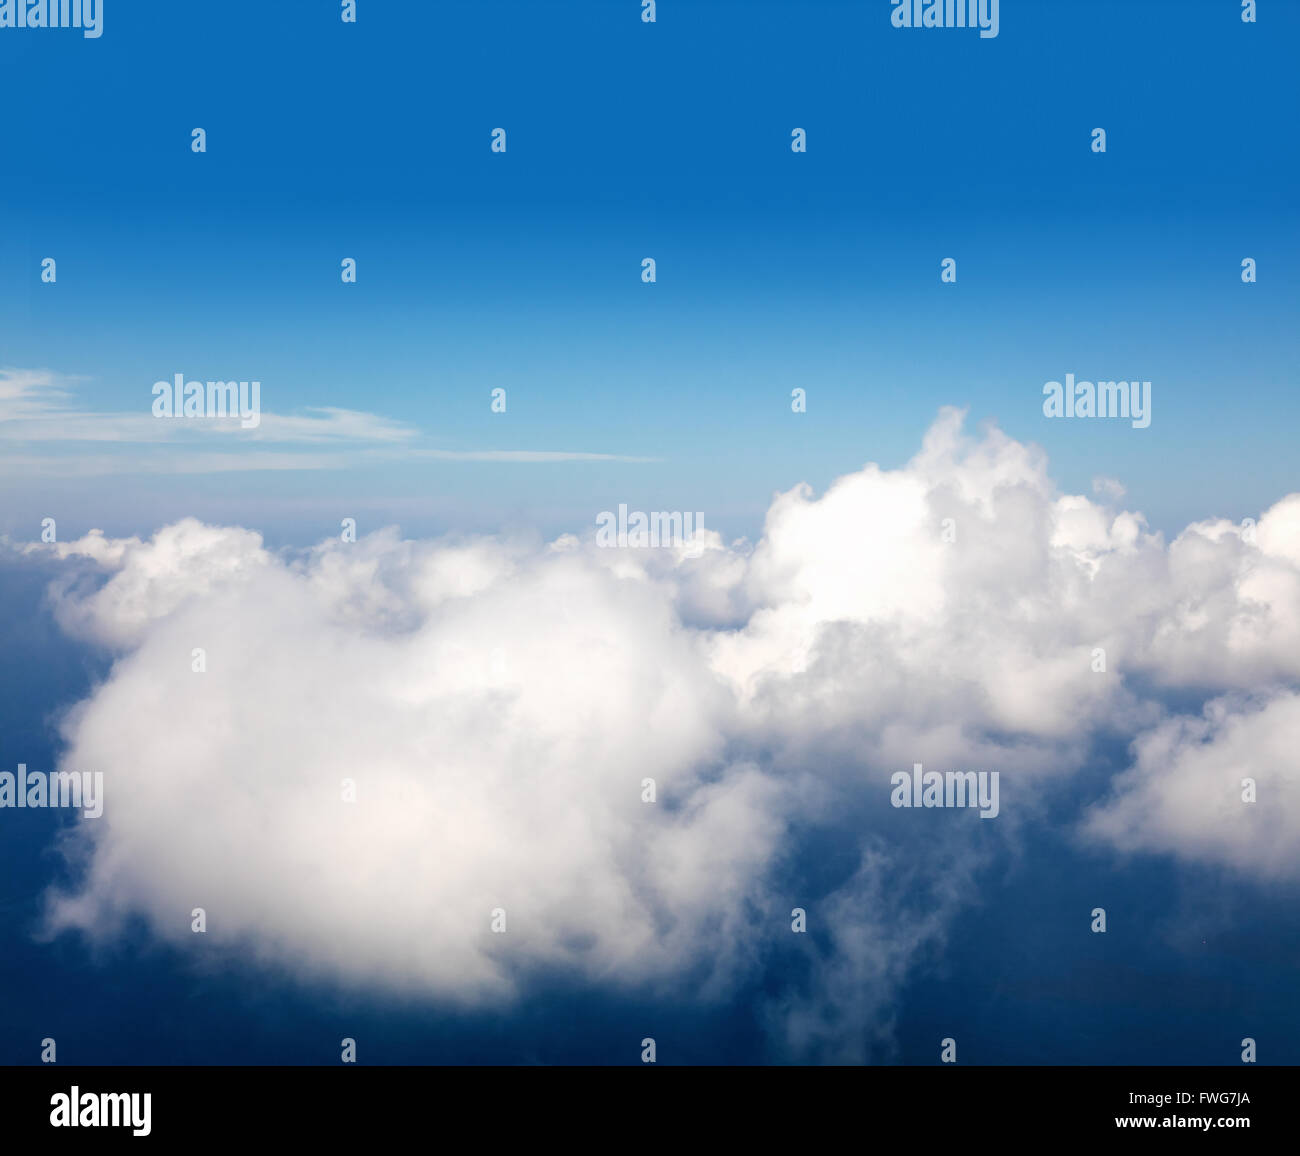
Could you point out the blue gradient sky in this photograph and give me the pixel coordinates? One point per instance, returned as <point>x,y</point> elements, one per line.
<point>669,140</point>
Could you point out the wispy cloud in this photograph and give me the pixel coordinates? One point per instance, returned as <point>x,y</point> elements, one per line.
<point>37,408</point>
<point>524,456</point>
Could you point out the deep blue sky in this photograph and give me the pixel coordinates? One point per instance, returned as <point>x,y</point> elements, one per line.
<point>669,140</point>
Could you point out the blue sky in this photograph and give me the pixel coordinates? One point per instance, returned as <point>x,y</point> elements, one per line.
<point>775,271</point>
<point>670,140</point>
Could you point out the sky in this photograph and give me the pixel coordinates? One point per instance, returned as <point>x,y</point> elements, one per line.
<point>670,140</point>
<point>500,680</point>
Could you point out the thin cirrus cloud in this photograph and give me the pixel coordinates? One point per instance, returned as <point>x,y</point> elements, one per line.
<point>36,409</point>
<point>499,705</point>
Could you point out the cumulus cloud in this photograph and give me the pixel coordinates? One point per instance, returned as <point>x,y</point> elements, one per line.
<point>1186,792</point>
<point>497,712</point>
<point>499,705</point>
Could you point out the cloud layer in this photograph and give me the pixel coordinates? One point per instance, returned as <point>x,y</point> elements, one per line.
<point>499,705</point>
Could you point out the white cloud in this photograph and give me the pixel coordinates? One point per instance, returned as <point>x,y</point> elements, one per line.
<point>498,704</point>
<point>1111,489</point>
<point>1186,792</point>
<point>36,410</point>
<point>498,712</point>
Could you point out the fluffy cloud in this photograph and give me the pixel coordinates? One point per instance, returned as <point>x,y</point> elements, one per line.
<point>499,704</point>
<point>497,712</point>
<point>1185,792</point>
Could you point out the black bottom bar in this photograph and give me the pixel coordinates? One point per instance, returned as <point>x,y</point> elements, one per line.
<point>631,1104</point>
